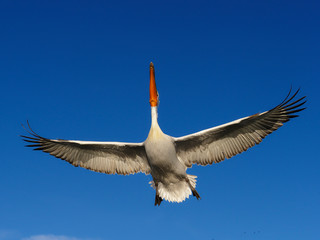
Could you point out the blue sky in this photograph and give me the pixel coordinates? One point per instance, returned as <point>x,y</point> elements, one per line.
<point>79,70</point>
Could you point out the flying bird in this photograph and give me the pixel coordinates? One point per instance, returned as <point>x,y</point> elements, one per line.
<point>167,158</point>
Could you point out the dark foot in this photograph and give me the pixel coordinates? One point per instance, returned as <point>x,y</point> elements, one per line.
<point>195,193</point>
<point>158,200</point>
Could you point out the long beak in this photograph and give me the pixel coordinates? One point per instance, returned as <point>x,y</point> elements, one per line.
<point>153,88</point>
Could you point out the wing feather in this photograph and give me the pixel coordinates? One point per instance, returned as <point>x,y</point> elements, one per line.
<point>225,141</point>
<point>105,157</point>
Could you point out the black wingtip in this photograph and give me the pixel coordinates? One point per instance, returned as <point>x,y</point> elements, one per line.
<point>29,130</point>
<point>287,95</point>
<point>290,106</point>
<point>33,138</point>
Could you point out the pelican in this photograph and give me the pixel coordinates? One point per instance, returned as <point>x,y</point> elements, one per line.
<point>167,158</point>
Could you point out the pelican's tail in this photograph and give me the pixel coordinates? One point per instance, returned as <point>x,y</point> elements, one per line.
<point>178,191</point>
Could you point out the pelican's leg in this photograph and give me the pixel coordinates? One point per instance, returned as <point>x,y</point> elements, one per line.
<point>158,199</point>
<point>194,191</point>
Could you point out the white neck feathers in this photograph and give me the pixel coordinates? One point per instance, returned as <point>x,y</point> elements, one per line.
<point>155,130</point>
<point>154,115</point>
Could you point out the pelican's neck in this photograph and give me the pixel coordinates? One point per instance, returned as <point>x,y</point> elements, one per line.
<point>155,128</point>
<point>154,115</point>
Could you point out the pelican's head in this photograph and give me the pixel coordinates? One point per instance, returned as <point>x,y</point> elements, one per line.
<point>154,96</point>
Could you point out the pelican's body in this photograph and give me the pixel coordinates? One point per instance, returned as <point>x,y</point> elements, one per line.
<point>167,158</point>
<point>169,174</point>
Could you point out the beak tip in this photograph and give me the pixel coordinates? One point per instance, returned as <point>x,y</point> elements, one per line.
<point>151,65</point>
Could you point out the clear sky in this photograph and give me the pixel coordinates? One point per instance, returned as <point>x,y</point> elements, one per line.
<point>80,70</point>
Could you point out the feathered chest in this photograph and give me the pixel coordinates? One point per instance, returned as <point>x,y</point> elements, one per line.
<point>160,150</point>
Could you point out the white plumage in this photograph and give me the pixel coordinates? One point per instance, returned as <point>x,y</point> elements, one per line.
<point>167,158</point>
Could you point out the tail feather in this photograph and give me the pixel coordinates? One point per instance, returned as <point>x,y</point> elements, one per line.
<point>176,192</point>
<point>192,180</point>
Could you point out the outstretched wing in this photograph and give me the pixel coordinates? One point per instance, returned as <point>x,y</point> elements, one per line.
<point>225,141</point>
<point>105,157</point>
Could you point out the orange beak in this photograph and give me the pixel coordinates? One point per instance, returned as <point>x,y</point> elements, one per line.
<point>153,88</point>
